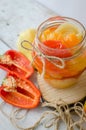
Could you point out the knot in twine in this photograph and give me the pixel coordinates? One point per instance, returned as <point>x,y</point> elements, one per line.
<point>43,56</point>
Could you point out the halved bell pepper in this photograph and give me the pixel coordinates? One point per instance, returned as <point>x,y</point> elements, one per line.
<point>15,62</point>
<point>19,92</point>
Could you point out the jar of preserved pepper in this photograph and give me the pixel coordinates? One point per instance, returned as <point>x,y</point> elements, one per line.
<point>60,51</point>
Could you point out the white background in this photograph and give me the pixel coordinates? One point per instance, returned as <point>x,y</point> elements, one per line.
<point>71,8</point>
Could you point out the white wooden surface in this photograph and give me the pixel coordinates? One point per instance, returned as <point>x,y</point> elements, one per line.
<point>19,15</point>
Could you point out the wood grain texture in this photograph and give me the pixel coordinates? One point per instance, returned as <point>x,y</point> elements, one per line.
<point>17,15</point>
<point>68,95</point>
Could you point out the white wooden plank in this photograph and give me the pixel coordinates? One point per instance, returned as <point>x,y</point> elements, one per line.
<point>3,47</point>
<point>18,15</point>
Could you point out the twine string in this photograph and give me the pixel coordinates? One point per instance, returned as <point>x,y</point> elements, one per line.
<point>60,113</point>
<point>17,113</point>
<point>51,59</point>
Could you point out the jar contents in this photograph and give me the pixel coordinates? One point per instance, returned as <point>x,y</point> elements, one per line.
<point>67,34</point>
<point>63,40</point>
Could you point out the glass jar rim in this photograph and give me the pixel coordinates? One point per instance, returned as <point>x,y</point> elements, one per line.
<point>57,19</point>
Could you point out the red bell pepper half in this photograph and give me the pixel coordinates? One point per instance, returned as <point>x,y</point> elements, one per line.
<point>19,92</point>
<point>15,62</point>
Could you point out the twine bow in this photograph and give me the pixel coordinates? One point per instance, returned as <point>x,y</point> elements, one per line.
<point>51,59</point>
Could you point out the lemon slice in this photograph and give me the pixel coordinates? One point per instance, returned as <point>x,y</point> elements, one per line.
<point>68,28</point>
<point>28,35</point>
<point>70,33</point>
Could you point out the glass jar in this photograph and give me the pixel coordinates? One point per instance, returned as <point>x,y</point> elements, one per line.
<point>61,66</point>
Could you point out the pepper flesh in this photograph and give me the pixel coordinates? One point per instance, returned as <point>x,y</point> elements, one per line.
<point>15,62</point>
<point>26,95</point>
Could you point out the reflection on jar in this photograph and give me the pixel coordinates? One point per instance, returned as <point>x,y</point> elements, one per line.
<point>60,51</point>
